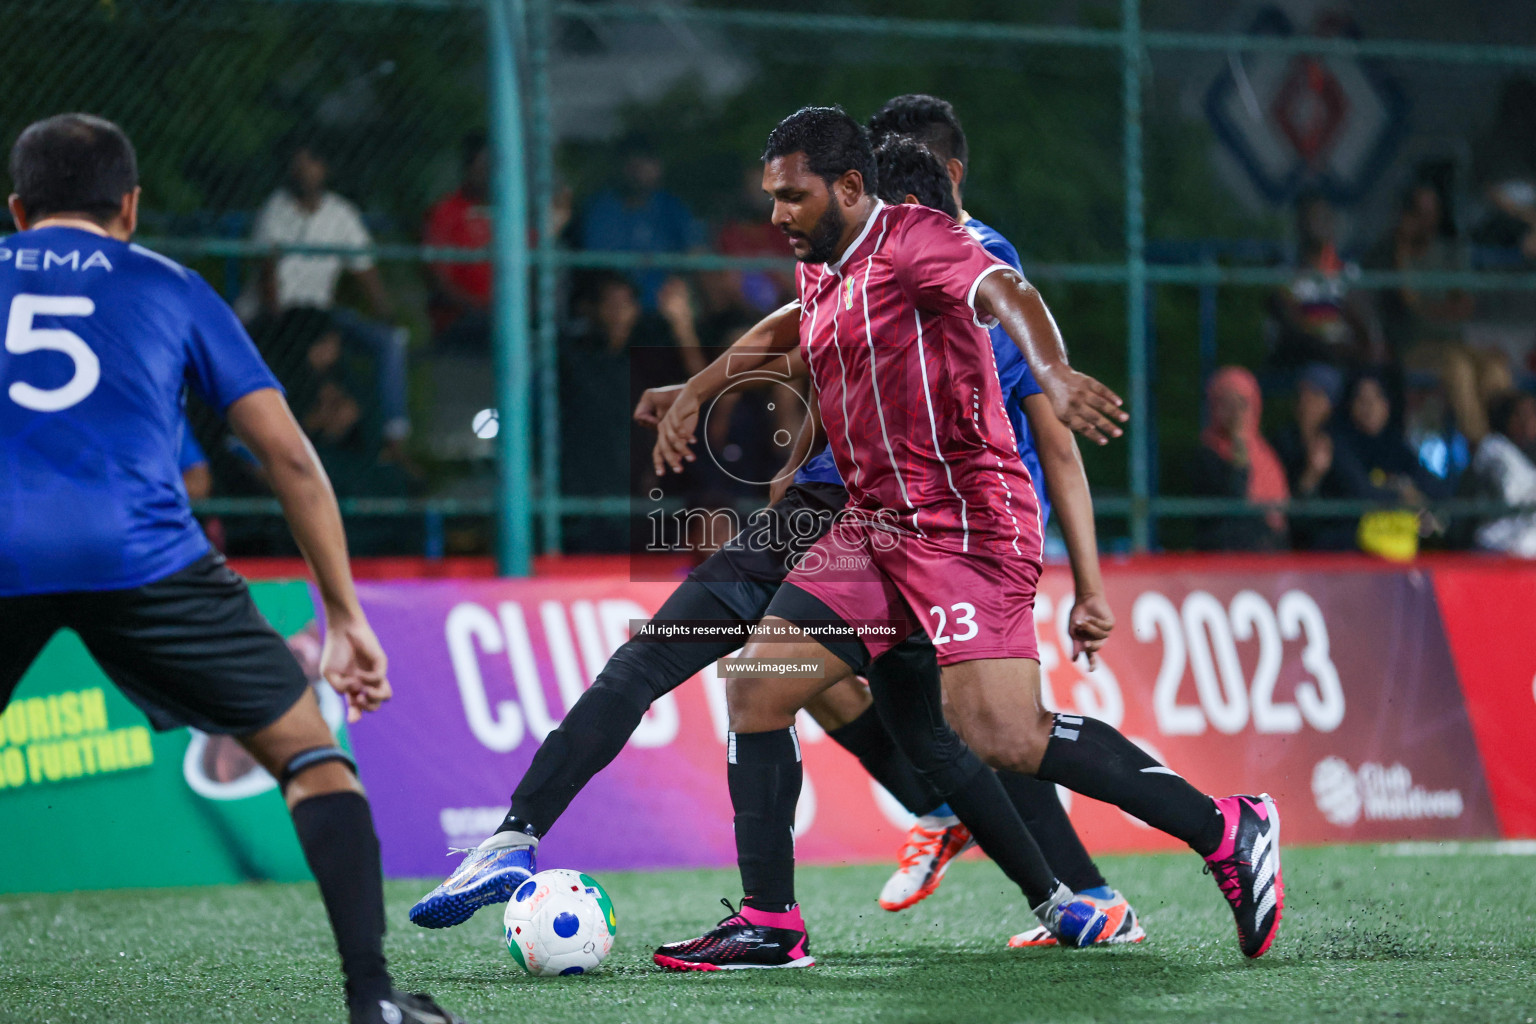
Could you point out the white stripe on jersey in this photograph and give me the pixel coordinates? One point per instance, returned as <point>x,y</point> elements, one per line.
<point>874,380</point>
<point>933,429</point>
<point>843,381</point>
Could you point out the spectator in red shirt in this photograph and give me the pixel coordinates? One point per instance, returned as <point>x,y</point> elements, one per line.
<point>461,298</point>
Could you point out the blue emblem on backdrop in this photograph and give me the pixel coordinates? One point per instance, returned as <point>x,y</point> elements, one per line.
<point>1304,121</point>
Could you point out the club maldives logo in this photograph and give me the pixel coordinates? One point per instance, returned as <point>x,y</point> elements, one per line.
<point>1377,792</point>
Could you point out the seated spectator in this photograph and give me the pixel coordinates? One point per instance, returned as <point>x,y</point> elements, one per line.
<point>1234,461</point>
<point>1505,468</point>
<point>1371,459</point>
<point>612,352</point>
<point>1425,327</point>
<point>1305,450</point>
<point>1318,318</point>
<point>638,215</point>
<point>305,212</point>
<point>750,233</point>
<point>461,292</point>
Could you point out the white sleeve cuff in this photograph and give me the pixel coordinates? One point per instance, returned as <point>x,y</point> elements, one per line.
<point>970,298</point>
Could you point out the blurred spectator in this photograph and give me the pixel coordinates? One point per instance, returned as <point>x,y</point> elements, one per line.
<point>1504,469</point>
<point>1371,460</point>
<point>1305,449</point>
<point>1425,327</point>
<point>639,216</point>
<point>1234,461</point>
<point>1317,318</point>
<point>613,351</point>
<point>461,292</point>
<point>461,297</point>
<point>304,212</point>
<point>1506,162</point>
<point>750,233</point>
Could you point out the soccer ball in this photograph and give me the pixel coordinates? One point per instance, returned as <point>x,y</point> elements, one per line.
<point>559,922</point>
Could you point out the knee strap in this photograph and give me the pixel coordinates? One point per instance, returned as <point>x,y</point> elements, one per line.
<point>306,759</point>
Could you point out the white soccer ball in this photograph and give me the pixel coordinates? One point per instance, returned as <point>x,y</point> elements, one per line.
<point>560,922</point>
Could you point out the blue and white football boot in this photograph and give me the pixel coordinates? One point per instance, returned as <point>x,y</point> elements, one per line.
<point>490,873</point>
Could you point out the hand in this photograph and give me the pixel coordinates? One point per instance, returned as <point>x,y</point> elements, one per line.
<point>655,402</point>
<point>354,664</point>
<point>1083,404</point>
<point>675,434</point>
<point>1320,456</point>
<point>1089,626</point>
<point>675,304</point>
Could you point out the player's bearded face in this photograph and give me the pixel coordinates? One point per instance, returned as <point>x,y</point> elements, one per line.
<point>821,241</point>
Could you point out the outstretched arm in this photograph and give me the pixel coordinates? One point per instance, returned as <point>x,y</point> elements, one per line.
<point>1067,484</point>
<point>352,661</point>
<point>1079,401</point>
<point>675,410</point>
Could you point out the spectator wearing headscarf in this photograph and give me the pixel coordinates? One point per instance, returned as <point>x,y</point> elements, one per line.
<point>1370,457</point>
<point>1234,461</point>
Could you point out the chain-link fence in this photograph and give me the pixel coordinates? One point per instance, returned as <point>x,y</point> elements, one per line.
<point>1149,175</point>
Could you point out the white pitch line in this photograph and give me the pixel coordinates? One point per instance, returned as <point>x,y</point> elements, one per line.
<point>1500,848</point>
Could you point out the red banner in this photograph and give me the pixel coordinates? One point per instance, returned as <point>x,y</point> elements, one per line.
<point>1490,615</point>
<point>1333,691</point>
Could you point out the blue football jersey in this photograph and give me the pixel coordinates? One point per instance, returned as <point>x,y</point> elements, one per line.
<point>1013,373</point>
<point>101,339</point>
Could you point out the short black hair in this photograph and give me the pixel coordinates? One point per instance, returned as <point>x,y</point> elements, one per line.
<point>1502,409</point>
<point>907,167</point>
<point>833,144</point>
<point>927,119</point>
<point>73,163</point>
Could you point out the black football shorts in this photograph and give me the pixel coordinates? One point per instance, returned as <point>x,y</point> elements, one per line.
<point>189,649</point>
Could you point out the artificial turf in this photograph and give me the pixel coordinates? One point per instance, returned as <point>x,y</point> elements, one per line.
<point>1370,934</point>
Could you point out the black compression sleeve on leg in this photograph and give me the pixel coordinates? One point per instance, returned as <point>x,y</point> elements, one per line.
<point>867,739</point>
<point>600,723</point>
<point>764,774</point>
<point>1040,807</point>
<point>336,833</point>
<point>1091,758</point>
<point>905,685</point>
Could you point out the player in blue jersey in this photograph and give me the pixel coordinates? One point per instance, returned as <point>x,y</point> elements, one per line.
<point>101,338</point>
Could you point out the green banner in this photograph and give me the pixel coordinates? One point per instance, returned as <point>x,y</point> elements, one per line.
<point>92,798</point>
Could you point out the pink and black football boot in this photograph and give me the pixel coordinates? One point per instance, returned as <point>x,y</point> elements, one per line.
<point>1247,868</point>
<point>748,939</point>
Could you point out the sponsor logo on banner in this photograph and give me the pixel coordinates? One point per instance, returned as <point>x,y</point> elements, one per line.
<point>1381,793</point>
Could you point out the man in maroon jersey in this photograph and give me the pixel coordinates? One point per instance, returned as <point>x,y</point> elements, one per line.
<point>941,535</point>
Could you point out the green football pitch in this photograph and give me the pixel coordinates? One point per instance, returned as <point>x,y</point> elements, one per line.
<point>1370,934</point>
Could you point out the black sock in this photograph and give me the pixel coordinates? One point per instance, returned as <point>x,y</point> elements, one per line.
<point>597,727</point>
<point>905,685</point>
<point>590,737</point>
<point>336,832</point>
<point>1040,807</point>
<point>1091,758</point>
<point>764,774</point>
<point>983,806</point>
<point>866,739</point>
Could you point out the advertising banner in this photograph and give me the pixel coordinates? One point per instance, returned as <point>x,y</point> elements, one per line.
<point>91,798</point>
<point>1334,691</point>
<point>483,671</point>
<point>1490,615</point>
